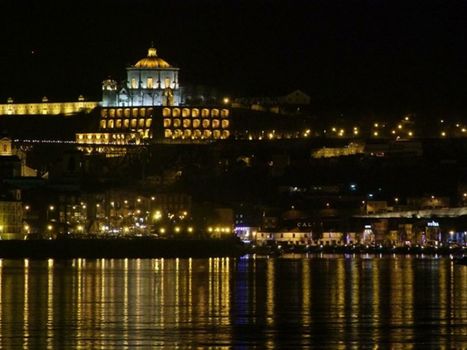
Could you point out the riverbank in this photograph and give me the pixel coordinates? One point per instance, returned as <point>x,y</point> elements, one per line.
<point>120,248</point>
<point>358,249</point>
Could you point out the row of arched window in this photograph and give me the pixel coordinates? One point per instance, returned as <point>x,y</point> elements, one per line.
<point>126,112</point>
<point>125,123</point>
<point>196,123</point>
<point>196,134</point>
<point>195,112</point>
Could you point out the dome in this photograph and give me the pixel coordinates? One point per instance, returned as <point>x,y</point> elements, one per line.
<point>152,61</point>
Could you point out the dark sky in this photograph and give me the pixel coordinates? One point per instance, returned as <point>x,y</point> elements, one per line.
<point>381,55</point>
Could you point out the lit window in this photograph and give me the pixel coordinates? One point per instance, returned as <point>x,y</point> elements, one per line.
<point>134,85</point>
<point>166,112</point>
<point>150,83</point>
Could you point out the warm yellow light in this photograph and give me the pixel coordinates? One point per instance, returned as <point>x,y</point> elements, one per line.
<point>190,229</point>
<point>177,229</point>
<point>139,200</point>
<point>210,229</point>
<point>27,207</point>
<point>393,132</point>
<point>376,125</point>
<point>157,215</point>
<point>226,100</point>
<point>399,126</point>
<point>51,207</point>
<point>375,133</point>
<point>333,129</point>
<point>49,227</point>
<point>410,133</point>
<point>463,130</point>
<point>443,133</point>
<point>355,132</point>
<point>162,230</point>
<point>79,228</point>
<point>406,118</point>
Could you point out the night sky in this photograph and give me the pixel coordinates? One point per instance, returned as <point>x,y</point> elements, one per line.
<point>380,56</point>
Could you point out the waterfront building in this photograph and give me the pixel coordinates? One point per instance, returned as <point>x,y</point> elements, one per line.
<point>11,218</point>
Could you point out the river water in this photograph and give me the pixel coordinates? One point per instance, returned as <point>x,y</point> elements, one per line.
<point>291,302</point>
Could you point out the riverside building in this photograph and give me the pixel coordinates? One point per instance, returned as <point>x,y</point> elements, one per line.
<point>149,108</point>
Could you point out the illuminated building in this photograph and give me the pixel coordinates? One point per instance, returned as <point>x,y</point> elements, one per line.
<point>11,219</point>
<point>150,82</point>
<point>148,109</point>
<point>48,108</point>
<point>123,126</point>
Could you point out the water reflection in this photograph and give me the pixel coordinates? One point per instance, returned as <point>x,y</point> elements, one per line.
<point>293,302</point>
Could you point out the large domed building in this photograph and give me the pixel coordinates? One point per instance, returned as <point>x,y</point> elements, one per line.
<point>151,81</point>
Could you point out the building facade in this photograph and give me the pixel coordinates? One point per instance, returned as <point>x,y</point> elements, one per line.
<point>150,82</point>
<point>48,108</point>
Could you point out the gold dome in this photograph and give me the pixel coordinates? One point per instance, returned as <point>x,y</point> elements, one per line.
<point>152,61</point>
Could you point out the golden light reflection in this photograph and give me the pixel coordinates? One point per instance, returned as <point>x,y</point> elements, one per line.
<point>306,293</point>
<point>26,305</point>
<point>169,303</point>
<point>270,291</point>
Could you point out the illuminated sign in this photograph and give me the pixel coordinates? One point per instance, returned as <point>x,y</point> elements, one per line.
<point>433,224</point>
